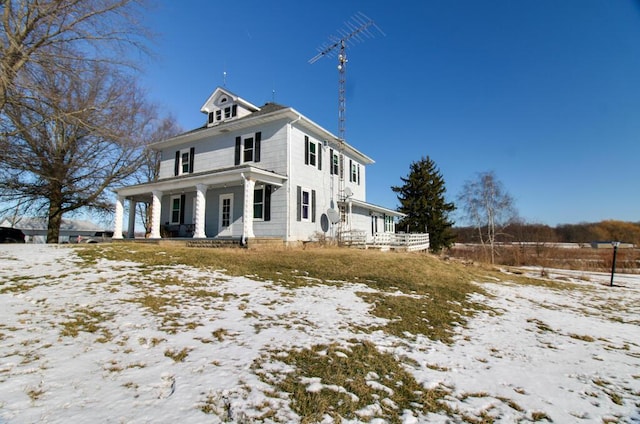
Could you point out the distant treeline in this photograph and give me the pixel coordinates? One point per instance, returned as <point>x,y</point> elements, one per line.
<point>627,232</point>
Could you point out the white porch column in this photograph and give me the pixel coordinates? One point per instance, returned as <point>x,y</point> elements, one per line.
<point>117,222</point>
<point>131,229</point>
<point>155,214</point>
<point>201,201</point>
<point>247,215</point>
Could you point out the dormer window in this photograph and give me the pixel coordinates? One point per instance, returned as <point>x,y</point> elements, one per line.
<point>223,114</point>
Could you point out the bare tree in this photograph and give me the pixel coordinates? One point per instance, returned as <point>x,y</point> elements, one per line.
<point>79,136</point>
<point>488,207</point>
<point>36,34</point>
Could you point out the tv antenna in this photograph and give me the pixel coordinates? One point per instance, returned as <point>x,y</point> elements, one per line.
<point>355,30</point>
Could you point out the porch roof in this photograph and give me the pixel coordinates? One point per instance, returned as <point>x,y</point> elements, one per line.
<point>374,208</point>
<point>211,179</point>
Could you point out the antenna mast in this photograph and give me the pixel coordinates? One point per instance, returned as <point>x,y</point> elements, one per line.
<point>355,30</point>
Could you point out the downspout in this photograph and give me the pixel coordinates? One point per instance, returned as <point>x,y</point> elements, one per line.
<point>289,125</point>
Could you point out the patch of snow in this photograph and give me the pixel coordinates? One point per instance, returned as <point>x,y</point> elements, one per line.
<point>573,355</point>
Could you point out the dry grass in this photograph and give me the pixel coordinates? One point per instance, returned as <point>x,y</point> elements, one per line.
<point>420,293</point>
<point>342,381</point>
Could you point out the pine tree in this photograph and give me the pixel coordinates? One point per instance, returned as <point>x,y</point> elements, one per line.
<point>422,200</point>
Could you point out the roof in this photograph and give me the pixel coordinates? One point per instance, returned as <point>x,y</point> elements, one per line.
<point>267,113</point>
<point>375,208</point>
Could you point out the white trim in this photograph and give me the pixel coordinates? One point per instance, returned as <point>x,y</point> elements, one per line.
<point>225,231</point>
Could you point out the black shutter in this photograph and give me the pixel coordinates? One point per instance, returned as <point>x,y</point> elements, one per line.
<point>192,154</point>
<point>330,161</point>
<point>350,171</point>
<point>313,206</point>
<point>176,164</point>
<point>267,202</point>
<point>238,147</point>
<point>306,150</point>
<point>256,147</point>
<point>358,174</point>
<point>234,110</point>
<point>182,203</point>
<point>320,156</point>
<point>299,204</point>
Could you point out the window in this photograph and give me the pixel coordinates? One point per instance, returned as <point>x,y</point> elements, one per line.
<point>388,224</point>
<point>176,209</point>
<point>248,149</point>
<point>218,115</point>
<point>262,203</point>
<point>306,205</point>
<point>354,174</point>
<point>312,153</point>
<point>184,162</point>
<point>258,203</point>
<point>335,163</point>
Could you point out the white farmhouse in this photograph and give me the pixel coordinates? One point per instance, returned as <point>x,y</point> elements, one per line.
<point>257,173</point>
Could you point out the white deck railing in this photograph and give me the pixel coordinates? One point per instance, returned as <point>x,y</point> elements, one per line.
<point>408,242</point>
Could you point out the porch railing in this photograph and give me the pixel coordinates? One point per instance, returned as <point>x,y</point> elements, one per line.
<point>408,242</point>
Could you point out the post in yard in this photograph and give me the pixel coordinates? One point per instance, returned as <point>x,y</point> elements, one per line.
<point>615,245</point>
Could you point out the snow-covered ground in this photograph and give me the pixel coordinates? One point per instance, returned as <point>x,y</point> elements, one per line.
<point>77,346</point>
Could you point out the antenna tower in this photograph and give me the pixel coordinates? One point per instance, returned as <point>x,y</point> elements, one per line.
<point>355,30</point>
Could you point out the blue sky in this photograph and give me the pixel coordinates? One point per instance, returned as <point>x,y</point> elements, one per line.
<point>544,93</point>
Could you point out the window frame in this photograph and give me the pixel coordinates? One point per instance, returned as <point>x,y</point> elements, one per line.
<point>248,150</point>
<point>305,208</point>
<point>259,201</point>
<point>174,211</point>
<point>184,162</point>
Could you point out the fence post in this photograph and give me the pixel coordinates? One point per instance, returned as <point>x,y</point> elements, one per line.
<point>613,265</point>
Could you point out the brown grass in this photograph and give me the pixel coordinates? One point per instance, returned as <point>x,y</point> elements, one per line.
<point>420,293</point>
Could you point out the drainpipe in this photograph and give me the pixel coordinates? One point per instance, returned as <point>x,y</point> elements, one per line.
<point>289,174</point>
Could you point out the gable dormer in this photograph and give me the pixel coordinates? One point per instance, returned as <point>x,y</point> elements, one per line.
<point>223,106</point>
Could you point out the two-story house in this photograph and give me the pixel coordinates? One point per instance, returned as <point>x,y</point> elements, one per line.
<point>254,172</point>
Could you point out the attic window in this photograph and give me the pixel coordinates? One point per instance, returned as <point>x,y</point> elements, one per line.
<point>223,100</point>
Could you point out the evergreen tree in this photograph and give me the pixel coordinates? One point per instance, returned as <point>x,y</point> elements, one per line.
<point>422,200</point>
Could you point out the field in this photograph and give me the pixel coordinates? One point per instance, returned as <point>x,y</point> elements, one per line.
<point>142,333</point>
<point>547,255</point>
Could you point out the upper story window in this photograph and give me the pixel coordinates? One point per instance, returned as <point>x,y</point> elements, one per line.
<point>334,167</point>
<point>312,153</point>
<point>354,174</point>
<point>184,161</point>
<point>248,148</point>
